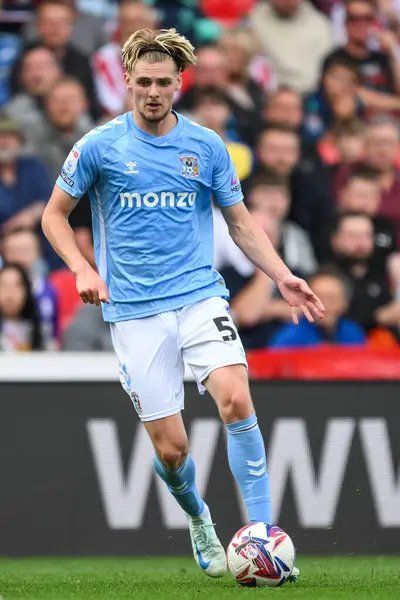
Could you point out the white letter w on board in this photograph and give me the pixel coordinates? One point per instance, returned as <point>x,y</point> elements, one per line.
<point>125,495</point>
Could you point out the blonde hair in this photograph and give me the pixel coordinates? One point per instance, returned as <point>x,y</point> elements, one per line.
<point>156,46</point>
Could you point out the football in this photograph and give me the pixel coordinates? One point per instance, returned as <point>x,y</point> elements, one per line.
<point>261,555</point>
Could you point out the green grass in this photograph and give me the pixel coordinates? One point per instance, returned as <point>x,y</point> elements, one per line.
<point>355,578</point>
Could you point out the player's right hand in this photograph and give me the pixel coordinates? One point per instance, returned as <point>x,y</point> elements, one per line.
<point>91,288</point>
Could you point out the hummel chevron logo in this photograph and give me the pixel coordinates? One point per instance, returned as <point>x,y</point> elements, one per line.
<point>255,464</point>
<point>179,489</point>
<point>257,473</point>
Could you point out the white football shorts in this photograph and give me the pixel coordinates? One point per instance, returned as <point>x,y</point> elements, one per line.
<point>152,352</point>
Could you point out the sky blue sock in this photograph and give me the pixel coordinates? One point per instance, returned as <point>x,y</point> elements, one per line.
<point>182,485</point>
<point>246,456</point>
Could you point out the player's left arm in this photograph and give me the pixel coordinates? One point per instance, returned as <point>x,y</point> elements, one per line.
<point>253,241</point>
<point>255,244</point>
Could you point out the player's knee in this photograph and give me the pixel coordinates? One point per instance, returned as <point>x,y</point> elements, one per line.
<point>236,405</point>
<point>173,456</point>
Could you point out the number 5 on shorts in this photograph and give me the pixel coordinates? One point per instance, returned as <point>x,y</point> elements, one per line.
<point>223,325</point>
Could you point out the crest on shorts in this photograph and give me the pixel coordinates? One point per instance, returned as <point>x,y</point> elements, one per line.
<point>136,402</point>
<point>189,166</point>
<point>127,384</point>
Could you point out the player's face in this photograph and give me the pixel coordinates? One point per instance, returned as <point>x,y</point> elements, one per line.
<point>153,87</point>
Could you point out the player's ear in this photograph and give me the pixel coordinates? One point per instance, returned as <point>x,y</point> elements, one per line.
<point>178,82</point>
<point>127,79</point>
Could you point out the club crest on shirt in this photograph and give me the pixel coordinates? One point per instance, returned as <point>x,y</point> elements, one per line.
<point>189,166</point>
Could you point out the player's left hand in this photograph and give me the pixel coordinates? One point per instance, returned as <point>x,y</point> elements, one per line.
<point>301,299</point>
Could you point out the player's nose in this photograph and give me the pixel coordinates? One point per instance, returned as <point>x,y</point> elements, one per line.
<point>153,92</point>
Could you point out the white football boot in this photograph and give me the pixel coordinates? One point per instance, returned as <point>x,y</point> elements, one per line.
<point>207,549</point>
<point>294,575</point>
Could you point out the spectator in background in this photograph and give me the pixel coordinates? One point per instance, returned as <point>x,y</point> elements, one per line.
<point>22,247</point>
<point>278,150</point>
<point>66,121</point>
<point>189,18</point>
<point>387,16</point>
<point>379,72</point>
<point>336,101</point>
<point>349,139</point>
<point>255,300</point>
<point>284,106</point>
<point>246,96</point>
<point>25,185</point>
<point>54,25</point>
<point>88,33</point>
<point>381,153</point>
<point>102,8</point>
<point>38,73</point>
<point>344,144</point>
<point>20,328</point>
<point>211,70</point>
<point>212,110</point>
<point>334,328</point>
<point>269,196</point>
<point>361,193</point>
<point>372,304</point>
<point>88,332</point>
<point>109,73</point>
<point>256,304</point>
<point>295,36</point>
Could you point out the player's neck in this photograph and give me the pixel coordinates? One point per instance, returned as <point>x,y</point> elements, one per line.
<point>157,128</point>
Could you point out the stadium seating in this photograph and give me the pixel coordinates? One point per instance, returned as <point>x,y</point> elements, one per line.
<point>69,300</point>
<point>325,363</point>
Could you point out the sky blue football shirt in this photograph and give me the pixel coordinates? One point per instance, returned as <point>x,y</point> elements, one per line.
<point>151,207</point>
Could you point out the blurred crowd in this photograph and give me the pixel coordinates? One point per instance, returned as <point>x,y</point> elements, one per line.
<point>306,96</point>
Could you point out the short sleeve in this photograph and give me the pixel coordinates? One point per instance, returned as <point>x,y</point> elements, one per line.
<point>226,186</point>
<point>80,170</point>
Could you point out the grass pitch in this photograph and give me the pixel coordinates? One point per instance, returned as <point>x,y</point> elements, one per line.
<point>355,578</point>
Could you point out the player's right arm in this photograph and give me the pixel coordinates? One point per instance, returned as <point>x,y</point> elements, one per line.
<point>80,172</point>
<point>55,225</point>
